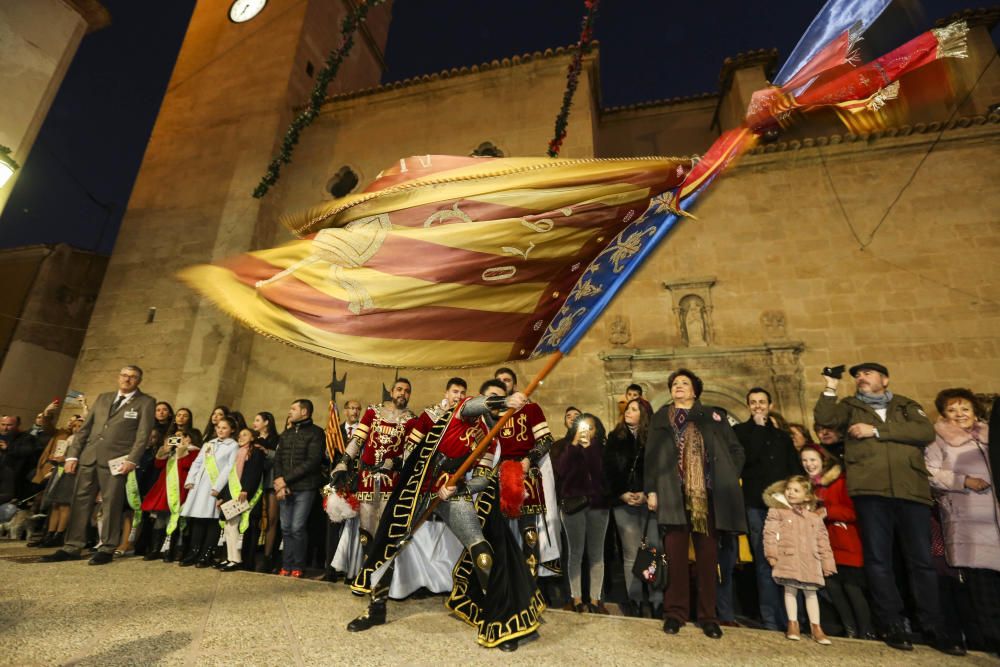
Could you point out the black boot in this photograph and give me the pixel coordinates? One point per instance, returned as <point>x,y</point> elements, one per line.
<point>263,564</point>
<point>155,544</point>
<point>57,540</point>
<point>171,553</point>
<point>374,615</point>
<point>41,541</point>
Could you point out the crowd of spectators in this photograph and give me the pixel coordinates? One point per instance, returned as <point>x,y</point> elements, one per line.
<point>886,526</point>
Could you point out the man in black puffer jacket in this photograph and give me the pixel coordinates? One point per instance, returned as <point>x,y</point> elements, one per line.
<point>298,475</point>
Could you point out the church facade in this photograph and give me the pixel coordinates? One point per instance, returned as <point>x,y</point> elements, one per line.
<point>824,246</point>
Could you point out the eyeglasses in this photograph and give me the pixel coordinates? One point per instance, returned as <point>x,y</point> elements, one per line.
<point>128,376</point>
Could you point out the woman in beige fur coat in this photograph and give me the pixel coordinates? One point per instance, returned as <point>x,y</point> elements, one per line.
<point>797,546</point>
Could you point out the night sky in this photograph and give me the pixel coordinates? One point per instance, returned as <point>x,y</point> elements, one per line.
<point>76,181</point>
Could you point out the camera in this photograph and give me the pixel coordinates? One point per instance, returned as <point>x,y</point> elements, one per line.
<point>174,441</point>
<point>835,372</point>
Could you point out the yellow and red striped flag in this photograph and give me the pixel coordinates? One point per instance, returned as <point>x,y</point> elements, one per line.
<point>443,261</point>
<point>334,438</point>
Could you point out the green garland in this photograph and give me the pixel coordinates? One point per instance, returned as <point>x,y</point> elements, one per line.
<point>5,157</point>
<point>348,28</point>
<point>573,76</point>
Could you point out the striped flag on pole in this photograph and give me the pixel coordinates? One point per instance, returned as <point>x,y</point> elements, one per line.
<point>443,261</point>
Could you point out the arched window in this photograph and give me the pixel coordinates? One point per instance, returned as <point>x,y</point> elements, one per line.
<point>487,149</point>
<point>342,183</point>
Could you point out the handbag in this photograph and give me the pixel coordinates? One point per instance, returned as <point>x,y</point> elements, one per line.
<point>574,504</point>
<point>650,565</point>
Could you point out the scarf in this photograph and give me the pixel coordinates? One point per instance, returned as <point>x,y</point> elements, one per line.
<point>691,466</point>
<point>876,401</point>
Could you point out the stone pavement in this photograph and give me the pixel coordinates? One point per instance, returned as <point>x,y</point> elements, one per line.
<point>148,613</point>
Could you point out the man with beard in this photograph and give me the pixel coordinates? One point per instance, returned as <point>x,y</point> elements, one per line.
<point>493,589</point>
<point>377,448</point>
<point>888,481</point>
<point>526,438</point>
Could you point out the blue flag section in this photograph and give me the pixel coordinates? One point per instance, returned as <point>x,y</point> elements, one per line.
<point>608,273</point>
<point>836,17</point>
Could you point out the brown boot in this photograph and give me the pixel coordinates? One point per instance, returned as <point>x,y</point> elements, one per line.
<point>793,631</point>
<point>818,635</point>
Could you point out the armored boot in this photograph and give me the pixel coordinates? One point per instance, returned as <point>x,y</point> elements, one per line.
<point>374,615</point>
<point>482,563</point>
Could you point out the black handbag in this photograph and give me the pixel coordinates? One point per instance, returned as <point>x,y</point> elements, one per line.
<point>650,565</point>
<point>574,504</point>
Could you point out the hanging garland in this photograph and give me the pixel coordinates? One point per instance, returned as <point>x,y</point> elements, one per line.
<point>573,76</point>
<point>347,30</point>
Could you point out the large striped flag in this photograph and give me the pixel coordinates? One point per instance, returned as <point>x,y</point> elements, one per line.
<point>443,261</point>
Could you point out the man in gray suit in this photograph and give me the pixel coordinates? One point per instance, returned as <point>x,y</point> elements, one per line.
<point>118,425</point>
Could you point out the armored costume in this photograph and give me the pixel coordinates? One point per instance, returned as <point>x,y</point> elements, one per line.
<point>493,589</point>
<point>376,447</point>
<point>526,436</point>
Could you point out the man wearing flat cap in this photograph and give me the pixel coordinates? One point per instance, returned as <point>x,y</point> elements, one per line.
<point>885,436</point>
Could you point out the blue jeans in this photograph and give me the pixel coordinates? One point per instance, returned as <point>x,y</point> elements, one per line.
<point>294,511</point>
<point>728,553</point>
<point>880,521</point>
<point>770,594</point>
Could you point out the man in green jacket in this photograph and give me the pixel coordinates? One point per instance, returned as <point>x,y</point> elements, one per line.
<point>885,436</point>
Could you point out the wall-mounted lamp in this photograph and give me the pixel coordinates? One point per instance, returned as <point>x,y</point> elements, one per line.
<point>7,165</point>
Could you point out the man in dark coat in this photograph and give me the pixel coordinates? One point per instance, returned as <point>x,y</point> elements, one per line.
<point>770,456</point>
<point>692,479</point>
<point>21,453</point>
<point>298,475</point>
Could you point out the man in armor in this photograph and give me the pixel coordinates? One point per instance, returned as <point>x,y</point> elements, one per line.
<point>419,427</point>
<point>526,438</point>
<point>376,448</point>
<point>502,601</point>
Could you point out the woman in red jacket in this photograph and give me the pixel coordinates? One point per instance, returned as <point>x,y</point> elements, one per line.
<point>847,587</point>
<point>177,453</point>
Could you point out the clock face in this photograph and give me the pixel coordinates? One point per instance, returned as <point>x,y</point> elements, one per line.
<point>242,11</point>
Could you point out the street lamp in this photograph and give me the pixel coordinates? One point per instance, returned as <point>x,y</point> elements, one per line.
<point>7,165</point>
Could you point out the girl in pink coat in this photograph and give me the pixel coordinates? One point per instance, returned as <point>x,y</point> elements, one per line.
<point>797,546</point>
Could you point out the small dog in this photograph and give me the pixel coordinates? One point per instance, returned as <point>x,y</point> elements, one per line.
<point>18,528</point>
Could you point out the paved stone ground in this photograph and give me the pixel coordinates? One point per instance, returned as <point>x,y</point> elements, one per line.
<point>148,613</point>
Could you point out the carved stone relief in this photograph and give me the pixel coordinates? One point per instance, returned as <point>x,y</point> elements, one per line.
<point>773,323</point>
<point>619,332</point>
<point>692,306</point>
